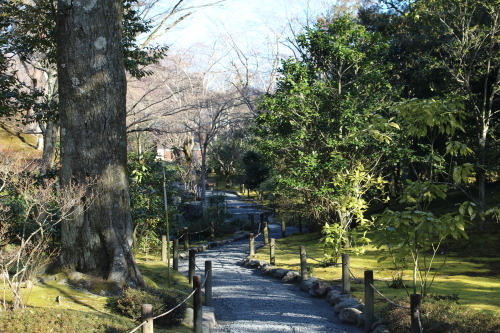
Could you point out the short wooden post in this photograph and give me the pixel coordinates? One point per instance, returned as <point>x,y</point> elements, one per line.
<point>251,244</point>
<point>147,315</point>
<point>272,243</point>
<point>346,278</point>
<point>300,223</point>
<point>252,222</point>
<point>164,248</point>
<point>265,233</point>
<point>212,231</point>
<point>186,239</point>
<point>175,264</point>
<point>197,306</point>
<point>303,263</point>
<point>283,227</point>
<point>369,301</point>
<point>192,263</point>
<point>415,301</point>
<point>208,283</point>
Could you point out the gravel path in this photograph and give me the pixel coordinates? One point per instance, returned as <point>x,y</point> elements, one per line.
<point>246,302</point>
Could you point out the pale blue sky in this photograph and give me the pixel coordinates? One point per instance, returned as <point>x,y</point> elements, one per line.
<point>251,18</point>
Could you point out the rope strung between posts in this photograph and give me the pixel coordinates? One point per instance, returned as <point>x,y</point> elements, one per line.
<point>400,306</point>
<point>166,313</point>
<point>388,300</point>
<point>206,273</point>
<point>352,274</point>
<point>199,232</point>
<point>175,307</point>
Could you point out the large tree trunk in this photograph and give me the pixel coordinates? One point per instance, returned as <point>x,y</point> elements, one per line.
<point>92,88</point>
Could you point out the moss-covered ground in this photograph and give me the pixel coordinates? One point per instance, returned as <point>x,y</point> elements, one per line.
<point>64,308</point>
<point>475,280</point>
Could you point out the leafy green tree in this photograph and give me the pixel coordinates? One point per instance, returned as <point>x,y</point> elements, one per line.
<point>226,154</point>
<point>469,52</point>
<point>326,123</point>
<point>416,231</point>
<point>443,48</point>
<point>146,195</point>
<point>256,169</point>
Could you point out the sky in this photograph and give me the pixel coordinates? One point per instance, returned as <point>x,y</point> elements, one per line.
<point>246,19</point>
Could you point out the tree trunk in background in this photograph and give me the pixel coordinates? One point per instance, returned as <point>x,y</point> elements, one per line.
<point>49,146</point>
<point>92,88</point>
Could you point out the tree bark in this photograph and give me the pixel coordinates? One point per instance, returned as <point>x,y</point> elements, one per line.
<point>92,89</point>
<point>49,146</point>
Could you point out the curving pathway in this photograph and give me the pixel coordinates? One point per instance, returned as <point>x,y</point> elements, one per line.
<point>246,301</point>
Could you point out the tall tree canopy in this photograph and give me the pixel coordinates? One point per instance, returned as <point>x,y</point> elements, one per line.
<point>450,49</point>
<point>324,124</point>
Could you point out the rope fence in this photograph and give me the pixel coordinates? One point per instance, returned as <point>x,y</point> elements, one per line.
<point>163,314</point>
<point>387,299</point>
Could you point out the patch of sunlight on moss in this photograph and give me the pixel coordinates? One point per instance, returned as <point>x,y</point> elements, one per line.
<point>14,141</point>
<point>45,296</point>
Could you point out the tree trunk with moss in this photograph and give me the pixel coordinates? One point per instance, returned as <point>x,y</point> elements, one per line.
<point>92,89</point>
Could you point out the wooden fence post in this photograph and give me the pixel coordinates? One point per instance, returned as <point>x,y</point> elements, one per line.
<point>164,248</point>
<point>303,263</point>
<point>186,239</point>
<point>251,244</point>
<point>415,300</point>
<point>265,233</point>
<point>175,264</point>
<point>272,244</point>
<point>197,306</point>
<point>283,228</point>
<point>252,222</point>
<point>192,263</point>
<point>346,278</point>
<point>212,231</point>
<point>300,222</point>
<point>147,315</point>
<point>369,301</point>
<point>208,283</point>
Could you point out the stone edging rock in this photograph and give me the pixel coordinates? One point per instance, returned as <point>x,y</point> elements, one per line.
<point>348,309</point>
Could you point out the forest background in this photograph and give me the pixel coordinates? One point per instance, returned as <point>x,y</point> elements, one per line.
<point>350,108</point>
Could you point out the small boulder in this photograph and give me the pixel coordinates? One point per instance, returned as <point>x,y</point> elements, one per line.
<point>339,299</point>
<point>349,303</point>
<point>332,295</point>
<point>350,315</point>
<point>265,269</point>
<point>279,273</point>
<point>291,276</point>
<point>307,284</point>
<point>361,320</point>
<point>381,329</point>
<point>319,289</point>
